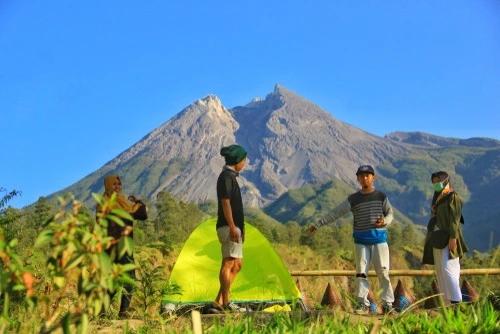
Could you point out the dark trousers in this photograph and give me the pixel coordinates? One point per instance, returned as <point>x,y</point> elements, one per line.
<point>128,289</point>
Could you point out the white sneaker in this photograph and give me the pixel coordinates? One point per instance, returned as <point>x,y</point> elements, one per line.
<point>362,309</point>
<point>232,307</point>
<point>387,308</point>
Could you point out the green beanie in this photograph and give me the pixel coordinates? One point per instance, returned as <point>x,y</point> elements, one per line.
<point>233,154</point>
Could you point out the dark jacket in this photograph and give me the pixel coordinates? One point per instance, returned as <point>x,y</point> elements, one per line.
<point>448,217</point>
<point>116,231</point>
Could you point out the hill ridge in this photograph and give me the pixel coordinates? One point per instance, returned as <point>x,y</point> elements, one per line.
<point>291,143</point>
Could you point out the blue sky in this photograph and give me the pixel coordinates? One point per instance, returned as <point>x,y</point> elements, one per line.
<point>82,81</point>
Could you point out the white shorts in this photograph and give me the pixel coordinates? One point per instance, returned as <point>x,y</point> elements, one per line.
<point>230,248</point>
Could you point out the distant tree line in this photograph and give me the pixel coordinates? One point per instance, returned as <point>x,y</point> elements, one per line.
<point>172,221</point>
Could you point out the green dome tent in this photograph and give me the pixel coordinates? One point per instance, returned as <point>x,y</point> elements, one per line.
<point>263,279</point>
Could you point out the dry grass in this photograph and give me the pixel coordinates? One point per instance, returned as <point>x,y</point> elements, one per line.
<point>294,258</point>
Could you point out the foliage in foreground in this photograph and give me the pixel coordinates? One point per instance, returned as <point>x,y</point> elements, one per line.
<point>68,292</point>
<point>480,317</point>
<point>78,275</point>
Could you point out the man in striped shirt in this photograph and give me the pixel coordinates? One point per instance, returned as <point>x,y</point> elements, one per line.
<point>372,213</point>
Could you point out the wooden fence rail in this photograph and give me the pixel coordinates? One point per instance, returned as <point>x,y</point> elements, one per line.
<point>396,272</point>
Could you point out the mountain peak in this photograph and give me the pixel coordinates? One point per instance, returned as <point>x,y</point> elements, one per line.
<point>254,103</point>
<point>274,100</point>
<point>210,100</point>
<point>278,89</point>
<point>280,93</point>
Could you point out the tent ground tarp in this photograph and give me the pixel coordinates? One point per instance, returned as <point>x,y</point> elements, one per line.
<point>263,278</point>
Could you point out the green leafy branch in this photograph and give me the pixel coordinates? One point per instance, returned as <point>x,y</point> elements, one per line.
<point>81,271</point>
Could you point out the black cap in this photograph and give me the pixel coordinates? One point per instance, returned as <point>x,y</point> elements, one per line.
<point>365,169</point>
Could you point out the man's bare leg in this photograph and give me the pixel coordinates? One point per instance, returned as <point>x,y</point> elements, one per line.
<point>229,269</point>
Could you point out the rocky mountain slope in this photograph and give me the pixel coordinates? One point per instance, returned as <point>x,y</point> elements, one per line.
<point>292,143</point>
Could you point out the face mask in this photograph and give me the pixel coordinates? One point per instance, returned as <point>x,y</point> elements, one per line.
<point>438,186</point>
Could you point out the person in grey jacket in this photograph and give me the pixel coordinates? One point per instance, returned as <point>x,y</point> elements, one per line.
<point>372,213</point>
<point>446,213</point>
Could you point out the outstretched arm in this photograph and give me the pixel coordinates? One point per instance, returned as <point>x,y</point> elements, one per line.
<point>336,213</point>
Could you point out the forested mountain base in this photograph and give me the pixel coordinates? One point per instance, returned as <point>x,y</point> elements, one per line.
<point>53,271</point>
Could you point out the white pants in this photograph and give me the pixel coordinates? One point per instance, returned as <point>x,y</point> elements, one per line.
<point>448,274</point>
<point>379,254</point>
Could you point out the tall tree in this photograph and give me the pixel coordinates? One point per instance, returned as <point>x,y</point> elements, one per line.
<point>8,215</point>
<point>175,220</point>
<point>42,213</point>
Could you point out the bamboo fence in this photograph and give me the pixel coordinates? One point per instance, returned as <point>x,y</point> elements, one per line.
<point>397,272</point>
